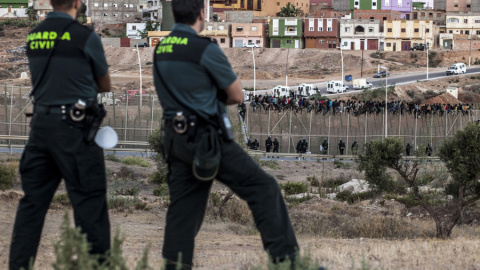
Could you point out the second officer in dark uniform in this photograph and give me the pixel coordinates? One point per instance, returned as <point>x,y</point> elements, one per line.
<point>276,145</point>
<point>56,149</point>
<point>268,144</point>
<point>194,82</point>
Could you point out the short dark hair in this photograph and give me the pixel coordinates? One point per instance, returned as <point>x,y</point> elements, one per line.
<point>186,11</point>
<point>62,4</point>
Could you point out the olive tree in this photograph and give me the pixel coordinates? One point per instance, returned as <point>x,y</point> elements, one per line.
<point>461,155</point>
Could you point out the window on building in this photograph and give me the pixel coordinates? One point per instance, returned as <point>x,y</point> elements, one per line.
<point>291,29</point>
<point>384,18</point>
<point>477,20</point>
<point>389,30</point>
<point>467,32</point>
<point>105,5</point>
<point>221,27</point>
<point>115,15</point>
<point>455,5</point>
<point>478,32</point>
<point>453,20</point>
<point>370,29</point>
<point>450,32</point>
<point>127,15</point>
<point>416,30</point>
<point>125,5</point>
<point>134,27</point>
<point>254,28</point>
<point>209,27</point>
<point>239,29</point>
<point>329,29</point>
<point>321,40</point>
<point>320,28</point>
<point>222,40</point>
<point>347,29</point>
<point>115,5</point>
<point>423,14</point>
<point>310,28</point>
<point>427,30</point>
<point>468,5</point>
<point>465,21</point>
<point>289,41</point>
<point>94,4</point>
<point>389,44</point>
<point>141,6</point>
<point>131,5</point>
<point>105,14</point>
<point>278,4</point>
<point>250,41</point>
<point>356,3</point>
<point>403,30</point>
<point>430,14</point>
<point>371,18</point>
<point>439,15</point>
<point>257,41</point>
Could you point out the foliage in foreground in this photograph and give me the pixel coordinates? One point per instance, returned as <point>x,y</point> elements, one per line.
<point>461,155</point>
<point>7,177</point>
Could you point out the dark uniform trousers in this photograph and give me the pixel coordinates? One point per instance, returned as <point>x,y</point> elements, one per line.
<point>188,200</point>
<point>56,150</point>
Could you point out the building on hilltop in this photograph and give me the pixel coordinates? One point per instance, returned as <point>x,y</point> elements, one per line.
<point>361,35</point>
<point>249,33</point>
<point>113,11</point>
<point>286,33</point>
<point>13,8</point>
<point>321,33</point>
<point>42,7</point>
<point>403,35</point>
<point>381,15</point>
<point>220,31</point>
<point>402,6</point>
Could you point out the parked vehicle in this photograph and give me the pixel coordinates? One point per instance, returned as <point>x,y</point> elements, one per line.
<point>336,87</point>
<point>361,84</point>
<point>251,45</point>
<point>142,44</point>
<point>281,91</point>
<point>419,47</point>
<point>132,93</point>
<point>348,78</point>
<point>107,99</point>
<point>458,68</point>
<point>306,90</point>
<point>245,95</point>
<point>381,74</point>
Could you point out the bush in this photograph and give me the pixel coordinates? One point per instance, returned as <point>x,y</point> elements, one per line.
<point>159,177</point>
<point>272,164</point>
<point>313,180</point>
<point>294,188</point>
<point>161,190</point>
<point>341,165</point>
<point>7,177</point>
<point>61,199</point>
<point>126,173</point>
<point>112,157</point>
<point>137,161</point>
<point>351,198</point>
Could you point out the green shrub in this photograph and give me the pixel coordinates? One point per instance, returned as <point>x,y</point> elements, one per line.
<point>408,201</point>
<point>126,192</point>
<point>161,190</point>
<point>159,177</point>
<point>7,177</point>
<point>112,157</point>
<point>126,173</point>
<point>137,161</point>
<point>294,188</point>
<point>313,180</point>
<point>352,198</point>
<point>272,164</point>
<point>341,165</point>
<point>296,201</point>
<point>62,199</point>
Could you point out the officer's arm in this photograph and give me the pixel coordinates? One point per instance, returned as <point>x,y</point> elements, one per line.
<point>234,93</point>
<point>104,84</point>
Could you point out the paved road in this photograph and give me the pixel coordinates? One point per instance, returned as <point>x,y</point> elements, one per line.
<point>397,78</point>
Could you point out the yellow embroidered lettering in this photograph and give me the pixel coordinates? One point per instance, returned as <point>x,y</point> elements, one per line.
<point>42,44</point>
<point>66,36</point>
<point>184,41</point>
<point>45,35</point>
<point>53,35</point>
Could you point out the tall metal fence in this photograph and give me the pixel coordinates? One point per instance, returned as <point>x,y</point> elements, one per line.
<point>134,117</point>
<point>290,127</point>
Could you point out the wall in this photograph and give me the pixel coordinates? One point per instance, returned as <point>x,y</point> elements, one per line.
<point>20,12</point>
<point>437,16</point>
<point>113,11</point>
<point>239,16</point>
<point>377,15</point>
<point>406,6</point>
<point>112,42</point>
<point>461,5</point>
<point>341,5</point>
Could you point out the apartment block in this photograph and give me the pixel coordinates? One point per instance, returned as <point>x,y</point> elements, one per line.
<point>402,35</point>
<point>459,5</point>
<point>402,6</point>
<point>365,4</point>
<point>463,23</point>
<point>328,13</point>
<point>286,33</point>
<point>381,15</point>
<point>42,7</point>
<point>245,33</point>
<point>113,11</point>
<point>219,31</point>
<point>321,33</point>
<point>438,16</point>
<point>261,7</point>
<point>361,35</point>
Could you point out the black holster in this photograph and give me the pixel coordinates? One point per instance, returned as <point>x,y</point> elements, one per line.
<point>94,116</point>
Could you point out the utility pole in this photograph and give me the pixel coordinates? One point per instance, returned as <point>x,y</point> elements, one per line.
<point>470,52</point>
<point>361,71</point>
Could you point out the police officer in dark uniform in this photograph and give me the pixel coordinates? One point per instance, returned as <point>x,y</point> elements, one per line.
<point>341,146</point>
<point>56,149</point>
<point>299,146</point>
<point>408,149</point>
<point>304,146</point>
<point>249,143</point>
<point>276,145</point>
<point>355,148</point>
<point>243,110</point>
<point>194,81</point>
<point>255,144</point>
<point>325,146</point>
<point>428,150</point>
<point>268,144</point>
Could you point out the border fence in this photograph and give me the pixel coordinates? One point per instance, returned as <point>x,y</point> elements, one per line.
<point>135,117</point>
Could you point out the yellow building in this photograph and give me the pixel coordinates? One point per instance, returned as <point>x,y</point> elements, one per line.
<point>219,31</point>
<point>402,35</point>
<point>261,8</point>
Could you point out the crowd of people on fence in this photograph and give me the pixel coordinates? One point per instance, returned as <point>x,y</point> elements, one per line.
<point>351,106</point>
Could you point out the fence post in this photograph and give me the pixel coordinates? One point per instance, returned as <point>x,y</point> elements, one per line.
<point>114,111</point>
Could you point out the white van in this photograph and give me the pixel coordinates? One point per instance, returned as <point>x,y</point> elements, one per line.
<point>306,90</point>
<point>458,68</point>
<point>281,91</point>
<point>336,87</point>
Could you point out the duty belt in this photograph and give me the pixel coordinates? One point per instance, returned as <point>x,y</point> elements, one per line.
<point>182,124</point>
<point>57,109</point>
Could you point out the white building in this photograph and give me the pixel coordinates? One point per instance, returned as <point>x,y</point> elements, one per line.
<point>133,28</point>
<point>361,35</point>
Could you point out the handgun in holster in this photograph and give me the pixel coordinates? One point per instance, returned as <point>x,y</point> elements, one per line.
<point>94,115</point>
